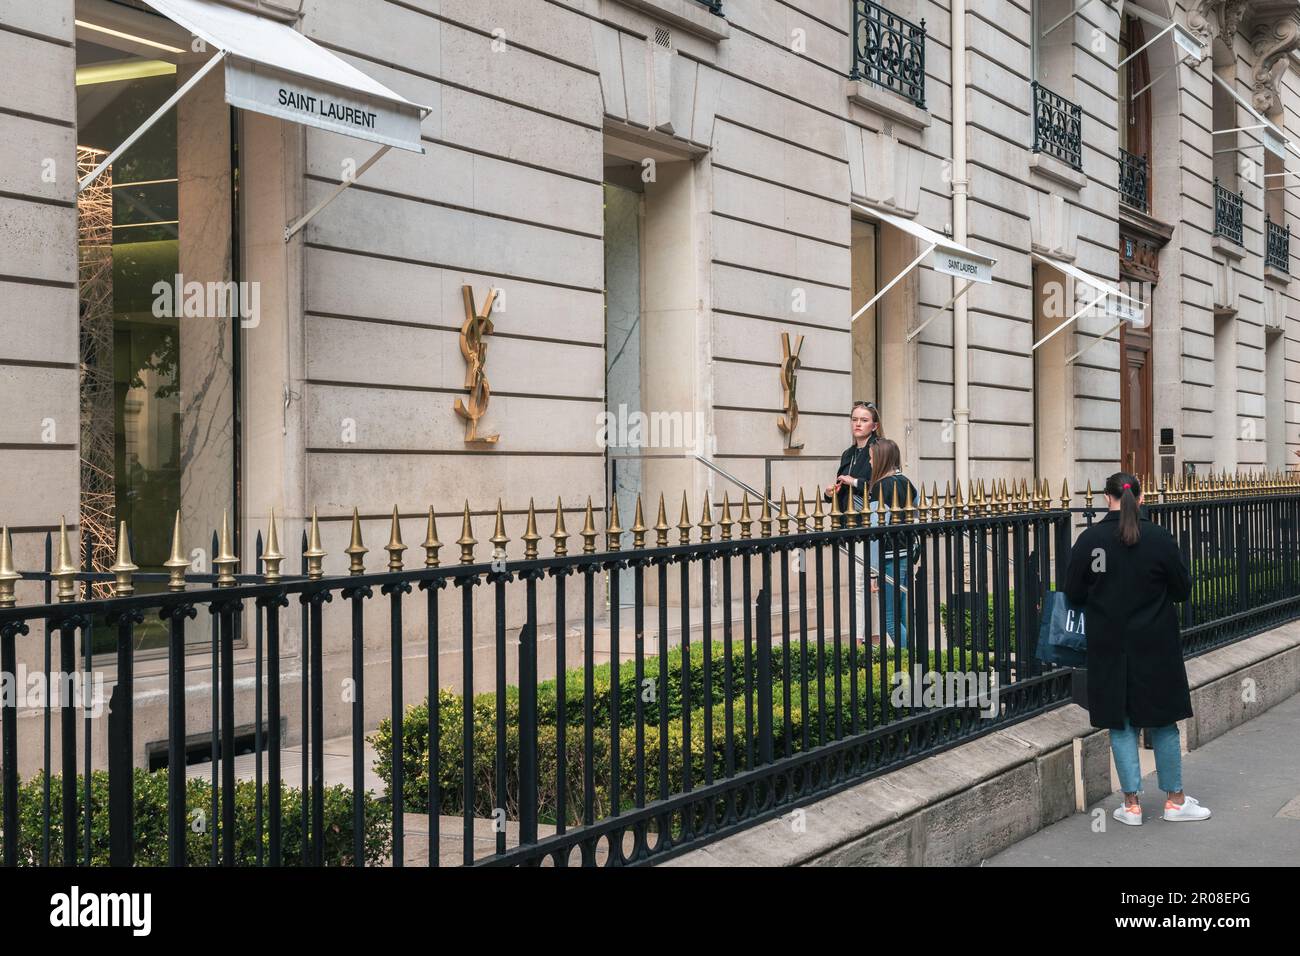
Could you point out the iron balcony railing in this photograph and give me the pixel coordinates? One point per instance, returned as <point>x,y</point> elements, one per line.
<point>1133,180</point>
<point>714,5</point>
<point>889,51</point>
<point>612,738</point>
<point>1278,249</point>
<point>1058,126</point>
<point>1227,213</point>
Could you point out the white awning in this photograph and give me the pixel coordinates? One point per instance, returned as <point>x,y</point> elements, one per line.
<point>1110,298</point>
<point>953,258</point>
<point>271,68</point>
<point>1274,140</point>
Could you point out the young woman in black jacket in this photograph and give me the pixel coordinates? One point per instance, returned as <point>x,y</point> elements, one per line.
<point>1127,573</point>
<point>854,475</point>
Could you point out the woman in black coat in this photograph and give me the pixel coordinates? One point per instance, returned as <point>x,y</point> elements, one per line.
<point>1127,573</point>
<point>854,476</point>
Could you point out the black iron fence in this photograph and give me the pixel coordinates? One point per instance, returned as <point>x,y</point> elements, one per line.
<point>1058,126</point>
<point>889,51</point>
<point>1133,179</point>
<point>1227,213</point>
<point>566,732</point>
<point>1278,246</point>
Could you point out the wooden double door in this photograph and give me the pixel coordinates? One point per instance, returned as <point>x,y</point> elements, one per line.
<point>1137,440</point>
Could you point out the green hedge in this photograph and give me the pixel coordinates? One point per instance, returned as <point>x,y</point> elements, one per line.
<point>705,747</point>
<point>151,844</point>
<point>949,617</point>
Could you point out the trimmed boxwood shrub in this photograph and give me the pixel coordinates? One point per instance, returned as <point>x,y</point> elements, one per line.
<point>705,747</point>
<point>151,822</point>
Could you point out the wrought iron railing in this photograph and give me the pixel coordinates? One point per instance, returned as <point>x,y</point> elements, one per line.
<point>889,51</point>
<point>1278,246</point>
<point>714,5</point>
<point>1058,126</point>
<point>654,739</point>
<point>1133,179</point>
<point>1227,213</point>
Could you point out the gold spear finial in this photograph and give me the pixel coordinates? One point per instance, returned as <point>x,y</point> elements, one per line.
<point>395,547</point>
<point>818,515</point>
<point>1065,494</point>
<point>661,525</point>
<point>919,512</point>
<point>499,539</point>
<point>588,532</point>
<point>745,519</point>
<point>65,572</point>
<point>225,561</point>
<point>725,522</point>
<point>314,554</point>
<point>783,516</point>
<point>176,564</point>
<point>895,513</point>
<point>271,558</point>
<point>531,537</point>
<point>706,519</point>
<point>684,522</point>
<point>431,544</point>
<point>560,536</point>
<point>466,539</point>
<point>765,519</point>
<point>947,499</point>
<point>613,533</point>
<point>8,575</point>
<point>837,516</point>
<point>638,526</point>
<point>801,513</point>
<point>123,568</point>
<point>356,551</point>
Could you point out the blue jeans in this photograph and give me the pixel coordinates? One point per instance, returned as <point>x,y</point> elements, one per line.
<point>893,577</point>
<point>1169,757</point>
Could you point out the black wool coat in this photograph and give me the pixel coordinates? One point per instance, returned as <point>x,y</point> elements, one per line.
<point>859,467</point>
<point>1135,653</point>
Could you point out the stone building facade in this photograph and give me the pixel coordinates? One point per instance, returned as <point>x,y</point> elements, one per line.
<point>657,191</point>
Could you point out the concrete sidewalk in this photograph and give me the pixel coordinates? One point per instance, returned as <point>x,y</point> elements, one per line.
<point>1249,777</point>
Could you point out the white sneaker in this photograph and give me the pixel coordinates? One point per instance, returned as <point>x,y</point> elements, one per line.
<point>1190,810</point>
<point>1128,815</point>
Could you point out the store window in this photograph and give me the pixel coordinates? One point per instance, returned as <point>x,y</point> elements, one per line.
<point>159,295</point>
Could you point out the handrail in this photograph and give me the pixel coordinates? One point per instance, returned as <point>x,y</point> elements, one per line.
<point>768,459</point>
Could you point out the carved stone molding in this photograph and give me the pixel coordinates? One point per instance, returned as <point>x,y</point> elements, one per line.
<point>1208,19</point>
<point>1273,40</point>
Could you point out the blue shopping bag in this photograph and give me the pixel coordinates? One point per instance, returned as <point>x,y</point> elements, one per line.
<point>1062,639</point>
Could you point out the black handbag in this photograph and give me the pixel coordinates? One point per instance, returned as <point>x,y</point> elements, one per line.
<point>1062,639</point>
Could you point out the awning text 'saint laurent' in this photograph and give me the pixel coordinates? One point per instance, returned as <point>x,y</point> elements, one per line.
<point>328,109</point>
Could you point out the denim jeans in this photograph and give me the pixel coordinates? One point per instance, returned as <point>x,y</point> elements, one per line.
<point>893,581</point>
<point>1169,757</point>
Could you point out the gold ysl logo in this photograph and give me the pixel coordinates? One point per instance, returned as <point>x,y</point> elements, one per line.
<point>789,380</point>
<point>474,348</point>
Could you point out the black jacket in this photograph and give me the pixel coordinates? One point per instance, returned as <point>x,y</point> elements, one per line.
<point>893,485</point>
<point>1135,653</point>
<point>859,467</point>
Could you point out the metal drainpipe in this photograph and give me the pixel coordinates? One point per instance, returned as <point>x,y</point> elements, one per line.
<point>960,366</point>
